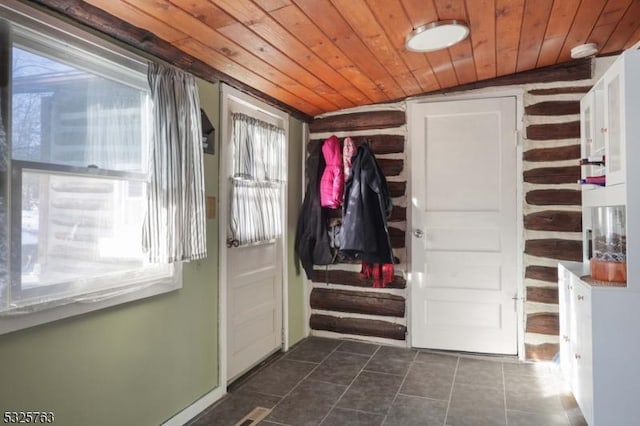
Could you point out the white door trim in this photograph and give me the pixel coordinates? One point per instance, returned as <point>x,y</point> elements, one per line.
<point>229,94</point>
<point>518,138</point>
<point>306,282</point>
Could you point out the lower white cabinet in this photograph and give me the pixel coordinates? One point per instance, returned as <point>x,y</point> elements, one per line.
<point>600,347</point>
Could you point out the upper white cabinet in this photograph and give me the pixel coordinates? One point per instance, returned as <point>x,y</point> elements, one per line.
<point>609,120</point>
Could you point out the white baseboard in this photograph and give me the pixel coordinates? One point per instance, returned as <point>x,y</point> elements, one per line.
<point>196,408</point>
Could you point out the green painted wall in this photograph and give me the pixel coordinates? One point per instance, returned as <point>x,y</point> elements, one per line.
<point>296,283</point>
<point>135,364</point>
<point>141,363</point>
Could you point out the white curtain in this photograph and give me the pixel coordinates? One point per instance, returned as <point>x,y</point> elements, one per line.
<point>258,176</point>
<point>114,126</point>
<point>175,229</point>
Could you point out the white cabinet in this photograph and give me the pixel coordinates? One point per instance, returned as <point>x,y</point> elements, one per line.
<point>599,347</point>
<point>610,127</point>
<point>576,338</point>
<point>600,322</point>
<point>607,115</point>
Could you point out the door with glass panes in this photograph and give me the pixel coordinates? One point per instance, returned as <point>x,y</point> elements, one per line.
<point>254,156</point>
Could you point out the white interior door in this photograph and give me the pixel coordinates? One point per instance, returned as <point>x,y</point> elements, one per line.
<point>254,307</point>
<point>464,220</point>
<point>252,276</point>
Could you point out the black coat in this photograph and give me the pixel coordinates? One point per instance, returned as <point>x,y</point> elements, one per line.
<point>312,241</point>
<point>367,204</point>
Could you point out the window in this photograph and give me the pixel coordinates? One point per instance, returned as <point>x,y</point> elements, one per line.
<point>77,136</point>
<point>257,181</point>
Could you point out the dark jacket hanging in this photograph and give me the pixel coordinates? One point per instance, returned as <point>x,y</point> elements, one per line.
<point>312,241</point>
<point>367,204</point>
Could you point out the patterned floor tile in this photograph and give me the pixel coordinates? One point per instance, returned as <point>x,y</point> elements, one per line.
<point>307,404</point>
<point>371,392</point>
<point>411,410</point>
<point>340,368</point>
<point>342,417</point>
<point>278,378</point>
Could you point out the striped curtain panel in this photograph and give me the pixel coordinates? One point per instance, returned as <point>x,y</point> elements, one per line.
<point>175,227</point>
<point>258,176</point>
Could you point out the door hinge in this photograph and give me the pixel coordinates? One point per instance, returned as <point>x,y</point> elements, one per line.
<point>515,299</point>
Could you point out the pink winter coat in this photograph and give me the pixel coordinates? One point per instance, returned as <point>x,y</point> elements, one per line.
<point>332,181</point>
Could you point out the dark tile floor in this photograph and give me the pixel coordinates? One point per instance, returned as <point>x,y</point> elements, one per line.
<point>335,382</point>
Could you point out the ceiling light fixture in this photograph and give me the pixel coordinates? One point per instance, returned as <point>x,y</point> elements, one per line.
<point>436,35</point>
<point>584,50</point>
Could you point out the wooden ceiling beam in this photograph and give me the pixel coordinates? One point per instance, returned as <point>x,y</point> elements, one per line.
<point>579,69</point>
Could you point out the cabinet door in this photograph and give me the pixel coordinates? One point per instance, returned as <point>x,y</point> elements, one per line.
<point>586,127</point>
<point>583,349</point>
<point>592,145</point>
<point>614,125</point>
<point>566,323</point>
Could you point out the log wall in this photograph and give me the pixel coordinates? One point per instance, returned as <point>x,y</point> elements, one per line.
<point>552,202</point>
<point>342,304</point>
<point>551,208</point>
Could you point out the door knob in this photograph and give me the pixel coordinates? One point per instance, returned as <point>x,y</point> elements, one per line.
<point>418,233</point>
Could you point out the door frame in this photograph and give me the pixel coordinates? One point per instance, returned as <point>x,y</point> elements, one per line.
<point>229,94</point>
<point>518,139</point>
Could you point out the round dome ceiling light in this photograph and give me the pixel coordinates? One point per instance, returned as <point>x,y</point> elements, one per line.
<point>584,50</point>
<point>436,35</point>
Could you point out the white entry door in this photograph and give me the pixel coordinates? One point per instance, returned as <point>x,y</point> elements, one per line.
<point>464,225</point>
<point>252,274</point>
<point>254,307</point>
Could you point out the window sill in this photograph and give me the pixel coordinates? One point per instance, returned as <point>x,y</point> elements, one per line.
<point>18,321</point>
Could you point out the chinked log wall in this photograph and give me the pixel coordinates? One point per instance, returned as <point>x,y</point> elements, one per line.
<point>552,203</point>
<point>551,208</point>
<point>552,218</point>
<point>342,304</point>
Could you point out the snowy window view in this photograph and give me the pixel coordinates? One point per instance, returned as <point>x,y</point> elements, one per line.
<point>79,145</point>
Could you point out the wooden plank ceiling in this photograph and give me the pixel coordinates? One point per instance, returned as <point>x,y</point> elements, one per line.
<point>316,56</point>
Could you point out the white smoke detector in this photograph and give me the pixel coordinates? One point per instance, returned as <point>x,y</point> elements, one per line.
<point>584,50</point>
